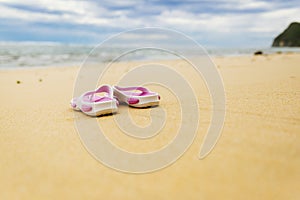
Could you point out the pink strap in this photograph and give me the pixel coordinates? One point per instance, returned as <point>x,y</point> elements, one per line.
<point>104,88</point>
<point>143,90</point>
<point>132,88</point>
<point>90,96</point>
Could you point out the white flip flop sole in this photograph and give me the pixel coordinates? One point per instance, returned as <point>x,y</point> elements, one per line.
<point>99,108</point>
<point>148,100</point>
<point>93,105</point>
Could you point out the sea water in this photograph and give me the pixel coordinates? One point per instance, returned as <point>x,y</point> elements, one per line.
<point>41,54</point>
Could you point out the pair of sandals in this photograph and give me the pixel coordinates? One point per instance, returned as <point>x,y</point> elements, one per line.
<point>92,103</point>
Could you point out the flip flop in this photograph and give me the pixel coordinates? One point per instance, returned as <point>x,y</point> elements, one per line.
<point>95,105</point>
<point>144,98</point>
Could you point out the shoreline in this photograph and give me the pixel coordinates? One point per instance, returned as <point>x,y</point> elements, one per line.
<point>212,57</point>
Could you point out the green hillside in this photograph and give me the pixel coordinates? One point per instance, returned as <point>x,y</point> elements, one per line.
<point>290,37</point>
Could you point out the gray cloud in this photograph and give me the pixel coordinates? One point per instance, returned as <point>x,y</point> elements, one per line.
<point>204,20</point>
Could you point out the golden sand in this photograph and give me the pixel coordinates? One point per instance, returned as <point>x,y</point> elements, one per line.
<point>257,156</point>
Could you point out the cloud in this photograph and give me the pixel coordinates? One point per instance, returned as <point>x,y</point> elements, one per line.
<point>206,21</point>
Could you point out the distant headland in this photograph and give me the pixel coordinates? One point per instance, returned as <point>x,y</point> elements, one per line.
<point>290,37</point>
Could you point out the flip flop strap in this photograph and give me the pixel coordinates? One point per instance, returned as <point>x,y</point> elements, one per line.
<point>104,88</point>
<point>142,89</point>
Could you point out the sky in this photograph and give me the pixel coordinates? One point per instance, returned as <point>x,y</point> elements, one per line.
<point>212,23</point>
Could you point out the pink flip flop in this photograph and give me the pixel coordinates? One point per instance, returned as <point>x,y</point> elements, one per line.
<point>95,105</point>
<point>144,98</point>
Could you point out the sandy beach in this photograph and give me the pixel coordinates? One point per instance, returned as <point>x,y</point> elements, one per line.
<point>256,157</point>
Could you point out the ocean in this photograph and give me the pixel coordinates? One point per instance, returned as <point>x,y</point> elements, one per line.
<point>43,54</point>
